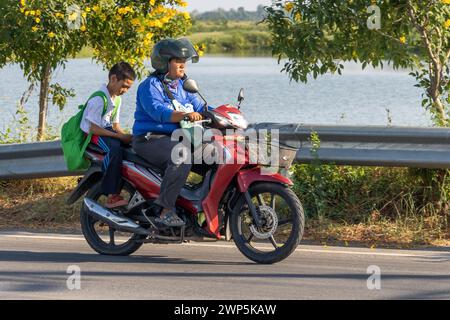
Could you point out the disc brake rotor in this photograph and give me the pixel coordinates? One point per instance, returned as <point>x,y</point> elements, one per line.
<point>269,221</point>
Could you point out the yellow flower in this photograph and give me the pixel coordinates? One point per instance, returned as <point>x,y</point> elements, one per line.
<point>83,28</point>
<point>446,1</point>
<point>84,14</point>
<point>298,17</point>
<point>164,20</point>
<point>152,2</point>
<point>447,23</point>
<point>289,6</point>
<point>135,22</point>
<point>200,49</point>
<point>32,12</point>
<point>141,29</point>
<point>59,15</point>
<point>52,48</point>
<point>22,10</point>
<point>51,34</point>
<point>154,23</point>
<point>158,10</point>
<point>186,15</point>
<point>88,9</point>
<point>96,8</point>
<point>119,33</point>
<point>402,39</point>
<point>182,4</point>
<point>38,12</point>
<point>34,29</point>
<point>73,16</point>
<point>23,3</point>
<point>125,10</point>
<point>149,36</point>
<point>37,20</point>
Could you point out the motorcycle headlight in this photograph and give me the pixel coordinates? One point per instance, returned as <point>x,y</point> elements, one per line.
<point>223,121</point>
<point>238,120</point>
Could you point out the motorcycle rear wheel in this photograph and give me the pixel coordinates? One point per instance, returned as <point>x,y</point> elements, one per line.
<point>283,217</point>
<point>94,231</point>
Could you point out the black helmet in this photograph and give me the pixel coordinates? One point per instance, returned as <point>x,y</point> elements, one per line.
<point>167,49</point>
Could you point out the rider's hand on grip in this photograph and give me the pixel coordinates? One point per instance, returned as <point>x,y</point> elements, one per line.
<point>193,116</point>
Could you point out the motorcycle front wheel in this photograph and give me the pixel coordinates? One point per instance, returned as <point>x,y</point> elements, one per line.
<point>282,217</point>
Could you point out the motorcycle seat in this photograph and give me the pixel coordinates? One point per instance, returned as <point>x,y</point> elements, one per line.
<point>95,148</point>
<point>128,155</point>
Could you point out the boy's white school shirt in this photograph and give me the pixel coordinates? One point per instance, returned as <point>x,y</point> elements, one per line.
<point>94,110</point>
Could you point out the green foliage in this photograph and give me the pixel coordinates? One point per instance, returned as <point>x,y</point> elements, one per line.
<point>60,95</point>
<point>317,36</point>
<point>40,35</point>
<point>353,194</point>
<point>19,129</point>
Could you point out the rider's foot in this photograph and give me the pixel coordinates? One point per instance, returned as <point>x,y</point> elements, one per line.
<point>169,218</point>
<point>115,201</point>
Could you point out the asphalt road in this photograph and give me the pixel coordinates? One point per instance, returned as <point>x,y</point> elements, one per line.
<point>34,266</point>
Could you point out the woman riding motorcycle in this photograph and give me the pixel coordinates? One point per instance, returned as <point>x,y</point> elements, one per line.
<point>156,119</point>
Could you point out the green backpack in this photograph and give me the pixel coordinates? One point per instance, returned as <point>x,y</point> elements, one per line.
<point>74,141</point>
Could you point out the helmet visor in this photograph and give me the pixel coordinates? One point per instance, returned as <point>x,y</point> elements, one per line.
<point>188,51</point>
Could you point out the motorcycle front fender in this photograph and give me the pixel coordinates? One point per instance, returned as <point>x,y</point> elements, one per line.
<point>246,178</point>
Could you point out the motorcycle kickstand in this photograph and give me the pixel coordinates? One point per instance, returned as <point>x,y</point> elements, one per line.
<point>182,234</point>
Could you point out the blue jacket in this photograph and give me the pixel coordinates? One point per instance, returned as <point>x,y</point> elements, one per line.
<point>154,108</point>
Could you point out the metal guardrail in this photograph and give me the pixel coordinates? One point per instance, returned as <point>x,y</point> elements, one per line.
<point>341,145</point>
<point>369,145</point>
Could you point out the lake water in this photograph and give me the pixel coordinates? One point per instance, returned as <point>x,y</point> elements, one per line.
<point>356,98</point>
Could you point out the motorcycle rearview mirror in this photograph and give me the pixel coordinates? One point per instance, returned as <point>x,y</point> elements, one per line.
<point>240,97</point>
<point>190,85</point>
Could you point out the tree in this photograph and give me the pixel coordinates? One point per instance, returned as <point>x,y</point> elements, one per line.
<point>317,36</point>
<point>41,35</point>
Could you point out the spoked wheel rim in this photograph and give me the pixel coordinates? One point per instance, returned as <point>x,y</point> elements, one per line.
<point>106,236</point>
<point>278,218</point>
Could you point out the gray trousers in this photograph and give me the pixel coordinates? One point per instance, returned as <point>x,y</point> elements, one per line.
<point>158,150</point>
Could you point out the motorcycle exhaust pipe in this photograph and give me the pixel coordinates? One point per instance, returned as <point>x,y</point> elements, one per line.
<point>119,223</point>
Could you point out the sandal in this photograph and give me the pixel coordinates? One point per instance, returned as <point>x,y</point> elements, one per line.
<point>171,219</point>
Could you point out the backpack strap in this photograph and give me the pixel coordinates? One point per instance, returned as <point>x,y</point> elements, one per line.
<point>117,103</point>
<point>170,95</point>
<point>102,95</point>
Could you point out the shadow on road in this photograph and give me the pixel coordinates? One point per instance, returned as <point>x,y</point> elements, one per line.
<point>63,257</point>
<point>244,275</point>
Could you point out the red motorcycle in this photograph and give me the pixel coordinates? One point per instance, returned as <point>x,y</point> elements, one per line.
<point>231,200</point>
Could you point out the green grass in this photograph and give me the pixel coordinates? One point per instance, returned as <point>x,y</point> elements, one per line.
<point>231,36</point>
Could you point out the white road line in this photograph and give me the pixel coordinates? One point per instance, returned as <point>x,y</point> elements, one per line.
<point>217,245</point>
<point>40,237</point>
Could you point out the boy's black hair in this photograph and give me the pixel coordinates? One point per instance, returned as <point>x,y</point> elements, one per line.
<point>123,71</point>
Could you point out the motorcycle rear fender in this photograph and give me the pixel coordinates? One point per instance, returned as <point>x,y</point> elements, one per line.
<point>246,178</point>
<point>91,176</point>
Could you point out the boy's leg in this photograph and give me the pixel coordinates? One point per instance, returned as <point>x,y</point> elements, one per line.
<point>112,167</point>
